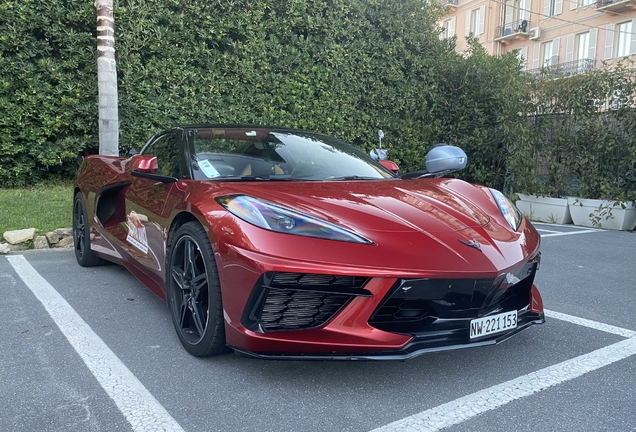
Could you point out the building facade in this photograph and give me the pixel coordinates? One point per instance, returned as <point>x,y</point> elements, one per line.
<point>560,36</point>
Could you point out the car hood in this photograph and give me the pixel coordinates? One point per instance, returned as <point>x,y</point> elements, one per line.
<point>418,227</point>
<point>386,206</point>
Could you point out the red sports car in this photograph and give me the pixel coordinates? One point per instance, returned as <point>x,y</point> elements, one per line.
<point>281,243</point>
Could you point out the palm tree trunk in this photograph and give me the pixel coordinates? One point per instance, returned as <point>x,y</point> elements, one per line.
<point>107,79</point>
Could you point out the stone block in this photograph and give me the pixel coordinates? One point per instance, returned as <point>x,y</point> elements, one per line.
<point>52,237</point>
<point>40,242</point>
<point>66,243</point>
<point>63,232</point>
<point>19,236</point>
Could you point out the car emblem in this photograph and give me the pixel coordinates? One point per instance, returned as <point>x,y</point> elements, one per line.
<point>473,244</point>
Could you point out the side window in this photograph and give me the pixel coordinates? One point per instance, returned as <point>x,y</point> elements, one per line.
<point>168,153</point>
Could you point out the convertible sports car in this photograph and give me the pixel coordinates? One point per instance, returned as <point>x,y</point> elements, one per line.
<point>281,243</point>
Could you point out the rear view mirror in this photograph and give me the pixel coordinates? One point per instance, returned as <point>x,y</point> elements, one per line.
<point>445,158</point>
<point>145,164</point>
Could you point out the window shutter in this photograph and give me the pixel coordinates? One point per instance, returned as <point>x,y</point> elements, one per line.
<point>527,7</point>
<point>556,46</point>
<point>558,6</point>
<point>451,27</point>
<point>546,8</point>
<point>535,56</point>
<point>591,51</point>
<point>609,42</point>
<point>569,48</point>
<point>524,56</point>
<point>574,4</point>
<point>467,23</point>
<point>508,18</point>
<point>632,48</point>
<point>482,18</point>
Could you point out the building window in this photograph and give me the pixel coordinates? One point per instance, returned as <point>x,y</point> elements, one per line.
<point>449,29</point>
<point>546,59</point>
<point>554,7</point>
<point>474,21</point>
<point>551,7</point>
<point>623,38</point>
<point>583,45</point>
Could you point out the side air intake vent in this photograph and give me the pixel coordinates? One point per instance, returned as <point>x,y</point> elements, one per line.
<point>299,301</point>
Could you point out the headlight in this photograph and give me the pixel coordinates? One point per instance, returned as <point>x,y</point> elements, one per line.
<point>280,219</point>
<point>508,210</point>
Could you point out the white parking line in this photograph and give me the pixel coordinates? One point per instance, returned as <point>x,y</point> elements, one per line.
<point>139,407</point>
<point>470,406</point>
<point>587,231</point>
<point>477,403</point>
<point>591,324</point>
<point>565,226</point>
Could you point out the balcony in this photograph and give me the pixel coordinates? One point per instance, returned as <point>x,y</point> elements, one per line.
<point>615,5</point>
<point>557,70</point>
<point>451,5</point>
<point>515,30</point>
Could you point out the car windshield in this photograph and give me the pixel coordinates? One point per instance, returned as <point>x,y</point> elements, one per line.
<point>245,154</point>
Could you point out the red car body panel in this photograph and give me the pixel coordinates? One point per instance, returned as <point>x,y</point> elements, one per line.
<point>419,228</point>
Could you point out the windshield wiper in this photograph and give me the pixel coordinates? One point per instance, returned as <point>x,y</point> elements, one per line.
<point>355,177</point>
<point>256,178</point>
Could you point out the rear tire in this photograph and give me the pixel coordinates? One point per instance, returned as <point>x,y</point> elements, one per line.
<point>194,293</point>
<point>81,235</point>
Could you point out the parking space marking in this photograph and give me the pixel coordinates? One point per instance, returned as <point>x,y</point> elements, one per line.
<point>591,324</point>
<point>494,397</point>
<point>136,403</point>
<point>565,226</point>
<point>548,231</point>
<point>472,405</point>
<point>587,231</point>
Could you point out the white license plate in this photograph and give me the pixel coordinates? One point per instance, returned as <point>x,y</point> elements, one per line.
<point>493,324</point>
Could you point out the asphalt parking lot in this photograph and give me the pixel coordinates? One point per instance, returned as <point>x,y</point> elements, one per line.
<point>93,350</point>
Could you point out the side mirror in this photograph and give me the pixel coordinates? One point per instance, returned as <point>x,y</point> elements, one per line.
<point>391,166</point>
<point>445,158</point>
<point>145,164</point>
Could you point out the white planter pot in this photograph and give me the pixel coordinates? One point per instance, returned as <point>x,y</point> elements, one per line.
<point>544,209</point>
<point>620,218</point>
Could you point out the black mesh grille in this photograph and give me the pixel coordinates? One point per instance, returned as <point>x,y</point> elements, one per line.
<point>299,301</point>
<point>305,279</point>
<point>294,309</point>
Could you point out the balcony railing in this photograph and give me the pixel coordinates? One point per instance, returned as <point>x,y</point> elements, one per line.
<point>615,5</point>
<point>448,2</point>
<point>556,69</point>
<point>513,29</point>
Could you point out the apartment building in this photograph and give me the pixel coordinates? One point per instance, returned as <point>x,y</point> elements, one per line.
<point>563,36</point>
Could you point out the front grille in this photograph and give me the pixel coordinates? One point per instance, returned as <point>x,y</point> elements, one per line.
<point>295,309</point>
<point>299,301</point>
<point>414,306</point>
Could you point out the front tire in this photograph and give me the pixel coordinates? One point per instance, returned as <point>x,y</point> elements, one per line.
<point>81,235</point>
<point>193,292</point>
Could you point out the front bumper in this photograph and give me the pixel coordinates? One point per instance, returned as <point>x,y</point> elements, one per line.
<point>289,315</point>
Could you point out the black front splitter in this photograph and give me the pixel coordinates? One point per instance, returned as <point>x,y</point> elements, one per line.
<point>413,349</point>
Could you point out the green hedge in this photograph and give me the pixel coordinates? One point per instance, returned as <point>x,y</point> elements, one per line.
<point>347,68</point>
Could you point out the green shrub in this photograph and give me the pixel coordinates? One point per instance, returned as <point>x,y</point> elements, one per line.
<point>347,68</point>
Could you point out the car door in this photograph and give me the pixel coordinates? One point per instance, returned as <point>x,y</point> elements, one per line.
<point>147,216</point>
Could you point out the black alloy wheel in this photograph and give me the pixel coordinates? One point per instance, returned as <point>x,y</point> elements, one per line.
<point>81,235</point>
<point>193,291</point>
